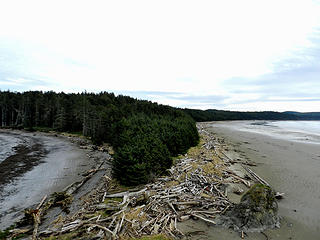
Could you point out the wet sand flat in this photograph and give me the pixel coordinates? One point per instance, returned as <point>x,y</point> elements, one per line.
<point>40,166</point>
<point>288,166</point>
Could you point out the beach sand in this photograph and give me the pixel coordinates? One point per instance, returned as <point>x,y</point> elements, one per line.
<point>288,166</point>
<point>40,166</point>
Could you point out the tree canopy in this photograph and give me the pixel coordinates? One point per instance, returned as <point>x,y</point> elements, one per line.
<point>145,135</point>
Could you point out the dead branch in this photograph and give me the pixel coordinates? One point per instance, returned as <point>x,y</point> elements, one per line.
<point>255,176</point>
<point>202,218</point>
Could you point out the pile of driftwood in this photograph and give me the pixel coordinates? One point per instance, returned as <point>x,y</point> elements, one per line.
<point>195,187</point>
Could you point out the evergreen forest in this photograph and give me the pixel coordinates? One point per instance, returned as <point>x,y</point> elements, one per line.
<point>222,115</point>
<point>145,135</point>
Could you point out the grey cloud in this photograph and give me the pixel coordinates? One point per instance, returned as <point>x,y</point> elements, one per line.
<point>145,94</point>
<point>20,82</point>
<point>299,75</point>
<point>294,100</point>
<point>300,81</point>
<point>200,99</point>
<point>214,101</point>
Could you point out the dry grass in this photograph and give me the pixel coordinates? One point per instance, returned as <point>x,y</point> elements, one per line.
<point>154,237</point>
<point>115,200</point>
<point>115,187</point>
<point>171,184</point>
<point>195,151</point>
<point>136,213</point>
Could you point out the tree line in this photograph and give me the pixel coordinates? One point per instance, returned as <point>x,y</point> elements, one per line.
<point>145,135</point>
<point>221,115</point>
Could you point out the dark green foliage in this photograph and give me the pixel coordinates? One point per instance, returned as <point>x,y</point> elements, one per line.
<point>144,157</point>
<point>4,234</point>
<point>145,135</point>
<point>220,115</point>
<point>260,195</point>
<point>145,144</point>
<point>257,210</point>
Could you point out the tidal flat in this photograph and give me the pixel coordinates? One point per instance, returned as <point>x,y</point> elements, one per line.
<point>35,165</point>
<point>289,160</point>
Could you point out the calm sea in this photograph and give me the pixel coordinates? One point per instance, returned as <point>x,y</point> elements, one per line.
<point>302,131</point>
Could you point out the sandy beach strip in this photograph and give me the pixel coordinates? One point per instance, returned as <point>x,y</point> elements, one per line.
<point>290,167</point>
<point>45,163</point>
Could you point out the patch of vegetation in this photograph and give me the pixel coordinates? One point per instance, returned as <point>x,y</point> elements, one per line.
<point>115,200</point>
<point>19,237</point>
<point>221,115</point>
<point>195,151</point>
<point>212,169</point>
<point>43,129</point>
<point>154,237</point>
<point>62,199</point>
<point>75,133</point>
<point>256,211</point>
<point>70,236</point>
<point>114,187</point>
<point>28,218</point>
<point>260,195</point>
<point>136,213</point>
<point>103,213</point>
<point>4,234</point>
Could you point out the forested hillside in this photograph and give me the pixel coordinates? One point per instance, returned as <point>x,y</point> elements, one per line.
<point>145,135</point>
<point>221,115</point>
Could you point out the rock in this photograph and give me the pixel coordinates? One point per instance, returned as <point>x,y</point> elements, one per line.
<point>184,218</point>
<point>257,211</point>
<point>247,177</point>
<point>279,195</point>
<point>194,218</point>
<point>94,147</point>
<point>238,190</point>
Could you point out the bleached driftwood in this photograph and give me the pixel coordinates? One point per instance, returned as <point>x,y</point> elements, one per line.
<point>255,176</point>
<point>36,218</point>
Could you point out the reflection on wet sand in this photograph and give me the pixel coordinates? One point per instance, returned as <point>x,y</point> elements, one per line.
<point>39,165</point>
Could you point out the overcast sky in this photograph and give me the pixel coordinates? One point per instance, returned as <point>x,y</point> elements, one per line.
<point>235,55</point>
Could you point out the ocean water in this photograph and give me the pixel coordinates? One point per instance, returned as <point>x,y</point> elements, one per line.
<point>301,131</point>
<point>305,127</point>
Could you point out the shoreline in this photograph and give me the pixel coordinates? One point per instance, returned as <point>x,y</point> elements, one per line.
<point>93,196</point>
<point>279,163</point>
<point>27,152</point>
<point>57,162</point>
<point>178,196</point>
<point>170,204</point>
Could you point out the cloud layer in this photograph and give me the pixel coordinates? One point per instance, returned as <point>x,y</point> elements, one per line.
<point>239,55</point>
